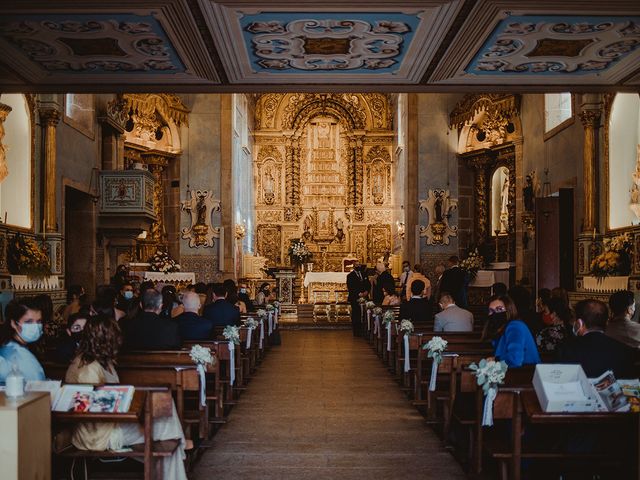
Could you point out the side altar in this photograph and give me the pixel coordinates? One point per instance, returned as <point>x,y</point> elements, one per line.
<point>326,287</point>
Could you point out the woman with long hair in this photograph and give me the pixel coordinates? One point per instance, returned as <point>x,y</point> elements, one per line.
<point>95,364</point>
<point>22,327</point>
<point>513,341</point>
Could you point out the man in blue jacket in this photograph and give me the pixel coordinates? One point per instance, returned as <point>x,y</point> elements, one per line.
<point>220,312</point>
<point>191,325</point>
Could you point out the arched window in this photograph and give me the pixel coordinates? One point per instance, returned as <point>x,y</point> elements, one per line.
<point>15,189</point>
<point>557,110</point>
<point>624,160</point>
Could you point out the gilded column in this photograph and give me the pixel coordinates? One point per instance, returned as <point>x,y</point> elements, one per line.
<point>50,119</point>
<point>480,202</point>
<point>289,173</point>
<point>590,121</point>
<point>4,112</point>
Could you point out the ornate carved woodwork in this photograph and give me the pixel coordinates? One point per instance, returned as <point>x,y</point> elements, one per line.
<point>200,206</point>
<point>4,170</point>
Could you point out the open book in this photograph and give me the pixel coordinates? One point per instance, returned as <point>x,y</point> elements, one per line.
<point>612,395</point>
<point>87,398</point>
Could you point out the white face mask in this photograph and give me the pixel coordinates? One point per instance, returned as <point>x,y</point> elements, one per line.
<point>631,310</point>
<point>31,332</point>
<point>128,295</point>
<point>406,269</point>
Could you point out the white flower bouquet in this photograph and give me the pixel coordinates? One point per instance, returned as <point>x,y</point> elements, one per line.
<point>262,313</point>
<point>362,300</point>
<point>251,322</point>
<point>406,327</point>
<point>299,252</point>
<point>435,347</point>
<point>276,304</point>
<point>162,262</point>
<point>269,308</point>
<point>489,375</point>
<point>388,316</point>
<point>201,355</point>
<point>377,311</point>
<point>232,333</point>
<point>473,262</point>
<point>370,305</point>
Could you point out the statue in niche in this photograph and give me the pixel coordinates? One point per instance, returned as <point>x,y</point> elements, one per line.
<point>377,188</point>
<point>439,207</point>
<point>504,204</point>
<point>200,206</point>
<point>635,188</point>
<point>528,193</point>
<point>307,227</point>
<point>268,187</point>
<point>340,230</point>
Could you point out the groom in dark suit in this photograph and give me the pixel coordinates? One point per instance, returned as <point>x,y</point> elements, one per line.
<point>358,285</point>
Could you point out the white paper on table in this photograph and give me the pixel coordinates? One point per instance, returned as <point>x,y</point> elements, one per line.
<point>563,391</point>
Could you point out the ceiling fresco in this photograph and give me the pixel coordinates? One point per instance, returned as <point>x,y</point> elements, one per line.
<point>253,46</point>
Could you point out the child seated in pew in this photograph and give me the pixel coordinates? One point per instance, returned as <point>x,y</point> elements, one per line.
<point>94,364</point>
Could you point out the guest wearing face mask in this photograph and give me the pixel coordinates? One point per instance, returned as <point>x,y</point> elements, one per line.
<point>620,326</point>
<point>514,343</point>
<point>67,348</point>
<point>22,327</point>
<point>263,294</point>
<point>404,278</point>
<point>243,295</point>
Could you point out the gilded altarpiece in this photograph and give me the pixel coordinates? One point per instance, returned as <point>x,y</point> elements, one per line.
<point>324,170</point>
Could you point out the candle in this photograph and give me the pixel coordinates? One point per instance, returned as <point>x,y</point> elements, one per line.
<point>5,216</point>
<point>594,233</point>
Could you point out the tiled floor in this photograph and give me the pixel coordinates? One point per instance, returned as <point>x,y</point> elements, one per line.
<point>323,407</point>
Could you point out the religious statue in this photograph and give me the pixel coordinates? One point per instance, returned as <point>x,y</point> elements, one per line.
<point>528,193</point>
<point>4,170</point>
<point>340,230</point>
<point>439,207</point>
<point>268,187</point>
<point>307,228</point>
<point>635,188</point>
<point>504,195</point>
<point>200,206</point>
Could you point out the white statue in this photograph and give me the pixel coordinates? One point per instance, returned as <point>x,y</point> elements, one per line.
<point>504,195</point>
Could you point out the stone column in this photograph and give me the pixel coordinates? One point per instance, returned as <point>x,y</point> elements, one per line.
<point>591,121</point>
<point>4,112</point>
<point>50,119</point>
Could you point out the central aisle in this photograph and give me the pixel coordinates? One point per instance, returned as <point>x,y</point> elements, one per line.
<point>322,406</point>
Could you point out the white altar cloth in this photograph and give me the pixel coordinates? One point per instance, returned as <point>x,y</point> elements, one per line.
<point>174,277</point>
<point>325,277</point>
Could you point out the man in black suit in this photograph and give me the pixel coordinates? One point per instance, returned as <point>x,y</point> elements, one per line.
<point>220,312</point>
<point>453,282</point>
<point>383,279</point>
<point>191,325</point>
<point>417,309</point>
<point>591,348</point>
<point>358,285</point>
<point>151,331</point>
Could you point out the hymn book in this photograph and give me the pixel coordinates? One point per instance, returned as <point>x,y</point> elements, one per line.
<point>87,398</point>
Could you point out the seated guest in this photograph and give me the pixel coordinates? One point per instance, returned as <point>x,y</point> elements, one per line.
<point>127,300</point>
<point>499,289</point>
<point>262,295</point>
<point>542,306</point>
<point>418,276</point>
<point>74,302</point>
<point>560,329</point>
<point>452,318</point>
<point>220,312</point>
<point>515,344</point>
<point>232,295</point>
<point>591,348</point>
<point>391,297</point>
<point>66,349</point>
<point>105,303</point>
<point>418,308</point>
<point>94,364</point>
<point>171,306</point>
<point>620,326</point>
<point>22,327</point>
<point>201,290</point>
<point>522,300</point>
<point>192,326</point>
<point>243,295</point>
<point>151,331</point>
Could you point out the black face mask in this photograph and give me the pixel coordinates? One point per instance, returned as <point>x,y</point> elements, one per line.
<point>499,318</point>
<point>76,336</point>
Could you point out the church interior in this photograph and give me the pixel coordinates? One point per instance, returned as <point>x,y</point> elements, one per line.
<point>392,239</point>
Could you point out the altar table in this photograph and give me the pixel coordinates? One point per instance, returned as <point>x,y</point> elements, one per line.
<point>325,277</point>
<point>326,287</point>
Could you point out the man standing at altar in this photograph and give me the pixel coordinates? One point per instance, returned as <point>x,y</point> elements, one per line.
<point>358,286</point>
<point>383,278</point>
<point>404,278</point>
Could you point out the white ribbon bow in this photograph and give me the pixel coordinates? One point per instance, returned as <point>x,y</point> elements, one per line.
<point>249,332</point>
<point>368,320</point>
<point>270,323</point>
<point>487,412</point>
<point>388,336</point>
<point>376,325</point>
<point>203,384</point>
<point>232,373</point>
<point>261,333</point>
<point>407,365</point>
<point>434,375</point>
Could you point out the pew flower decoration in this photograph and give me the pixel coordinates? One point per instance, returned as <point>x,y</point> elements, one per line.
<point>262,313</point>
<point>362,301</point>
<point>377,311</point>
<point>162,262</point>
<point>251,322</point>
<point>276,305</point>
<point>406,327</point>
<point>388,316</point>
<point>201,355</point>
<point>370,305</point>
<point>435,347</point>
<point>269,307</point>
<point>489,374</point>
<point>615,258</point>
<point>232,333</point>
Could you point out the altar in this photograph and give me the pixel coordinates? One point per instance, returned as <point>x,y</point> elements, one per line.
<point>326,287</point>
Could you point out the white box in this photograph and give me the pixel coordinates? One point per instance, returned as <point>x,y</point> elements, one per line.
<point>564,388</point>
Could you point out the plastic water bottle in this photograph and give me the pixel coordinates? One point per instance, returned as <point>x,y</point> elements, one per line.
<point>15,383</point>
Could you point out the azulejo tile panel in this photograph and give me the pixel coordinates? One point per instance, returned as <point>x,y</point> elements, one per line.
<point>328,42</point>
<point>552,45</point>
<point>93,44</point>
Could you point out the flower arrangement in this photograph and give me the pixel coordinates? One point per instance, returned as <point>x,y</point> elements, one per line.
<point>406,327</point>
<point>362,300</point>
<point>299,252</point>
<point>473,262</point>
<point>251,322</point>
<point>162,262</point>
<point>25,257</point>
<point>201,355</point>
<point>435,346</point>
<point>276,304</point>
<point>269,308</point>
<point>262,313</point>
<point>232,333</point>
<point>615,258</point>
<point>377,311</point>
<point>370,305</point>
<point>489,373</point>
<point>388,316</point>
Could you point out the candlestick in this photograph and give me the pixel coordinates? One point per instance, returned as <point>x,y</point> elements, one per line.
<point>594,233</point>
